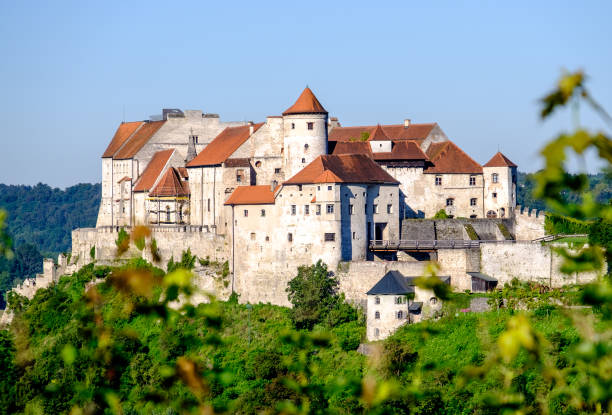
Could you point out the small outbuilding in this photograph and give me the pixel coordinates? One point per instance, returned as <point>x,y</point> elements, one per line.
<point>482,282</point>
<point>392,302</point>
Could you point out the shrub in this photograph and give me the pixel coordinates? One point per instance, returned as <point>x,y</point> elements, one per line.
<point>441,214</point>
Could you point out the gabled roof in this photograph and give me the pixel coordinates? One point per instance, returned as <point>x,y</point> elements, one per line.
<point>170,185</point>
<point>447,157</point>
<point>307,103</point>
<point>402,150</point>
<point>124,131</point>
<point>251,195</point>
<point>499,160</point>
<point>124,179</point>
<point>138,140</point>
<point>378,135</point>
<point>150,174</point>
<point>393,283</point>
<point>393,131</point>
<point>345,168</point>
<point>223,146</point>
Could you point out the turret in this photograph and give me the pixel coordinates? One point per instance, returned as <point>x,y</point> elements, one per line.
<point>305,133</point>
<point>500,187</point>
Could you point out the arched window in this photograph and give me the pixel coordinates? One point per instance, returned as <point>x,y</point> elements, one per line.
<point>377,300</point>
<point>377,315</point>
<point>502,212</point>
<point>400,315</point>
<point>376,332</point>
<point>433,301</point>
<point>167,213</point>
<point>399,300</point>
<point>495,177</point>
<point>491,214</point>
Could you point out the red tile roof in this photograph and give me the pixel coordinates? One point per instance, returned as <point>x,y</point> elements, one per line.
<point>307,103</point>
<point>402,150</point>
<point>394,132</point>
<point>223,146</point>
<point>124,178</point>
<point>183,172</point>
<point>346,168</point>
<point>150,174</point>
<point>170,185</point>
<point>138,140</point>
<point>447,157</point>
<point>499,160</point>
<point>124,131</point>
<point>378,134</point>
<point>251,195</point>
<point>353,147</point>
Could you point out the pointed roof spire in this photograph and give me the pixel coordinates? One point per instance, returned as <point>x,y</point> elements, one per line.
<point>307,103</point>
<point>379,134</point>
<point>499,160</point>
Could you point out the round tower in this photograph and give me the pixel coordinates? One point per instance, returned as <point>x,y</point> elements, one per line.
<point>305,133</point>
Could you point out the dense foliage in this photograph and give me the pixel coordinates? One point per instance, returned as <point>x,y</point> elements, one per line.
<point>44,216</point>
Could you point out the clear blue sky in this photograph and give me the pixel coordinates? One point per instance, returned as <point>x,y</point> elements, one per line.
<point>68,70</point>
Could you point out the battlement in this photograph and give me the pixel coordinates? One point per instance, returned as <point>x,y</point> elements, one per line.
<point>528,212</point>
<point>529,223</point>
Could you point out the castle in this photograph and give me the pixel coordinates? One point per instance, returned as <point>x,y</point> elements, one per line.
<point>267,197</point>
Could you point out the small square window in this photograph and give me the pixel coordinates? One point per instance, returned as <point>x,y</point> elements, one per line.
<point>306,210</point>
<point>330,208</point>
<point>310,125</point>
<point>389,208</point>
<point>293,209</point>
<point>303,160</point>
<point>276,171</point>
<point>263,212</point>
<point>329,187</point>
<point>267,238</point>
<point>472,180</point>
<point>438,180</point>
<point>473,201</point>
<point>495,195</point>
<point>246,213</point>
<point>318,210</point>
<point>450,201</point>
<point>330,237</point>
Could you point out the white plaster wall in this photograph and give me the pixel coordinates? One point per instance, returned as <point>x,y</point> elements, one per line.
<point>505,190</point>
<point>296,138</point>
<point>388,321</point>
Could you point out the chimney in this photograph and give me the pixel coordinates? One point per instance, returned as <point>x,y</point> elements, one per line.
<point>251,128</point>
<point>407,123</point>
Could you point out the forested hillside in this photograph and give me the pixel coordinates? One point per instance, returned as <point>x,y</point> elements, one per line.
<point>44,216</point>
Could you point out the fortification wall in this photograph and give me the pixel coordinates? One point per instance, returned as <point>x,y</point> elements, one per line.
<point>528,262</point>
<point>528,224</point>
<point>171,242</point>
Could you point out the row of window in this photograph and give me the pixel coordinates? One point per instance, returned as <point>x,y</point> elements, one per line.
<point>494,179</point>
<point>327,237</point>
<point>473,201</point>
<point>309,125</point>
<point>399,315</point>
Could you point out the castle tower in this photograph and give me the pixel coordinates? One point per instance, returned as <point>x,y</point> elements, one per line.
<point>499,187</point>
<point>305,133</point>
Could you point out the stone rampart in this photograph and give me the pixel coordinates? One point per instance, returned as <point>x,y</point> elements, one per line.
<point>528,223</point>
<point>171,242</point>
<point>527,261</point>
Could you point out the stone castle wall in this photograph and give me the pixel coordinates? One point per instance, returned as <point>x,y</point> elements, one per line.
<point>529,224</point>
